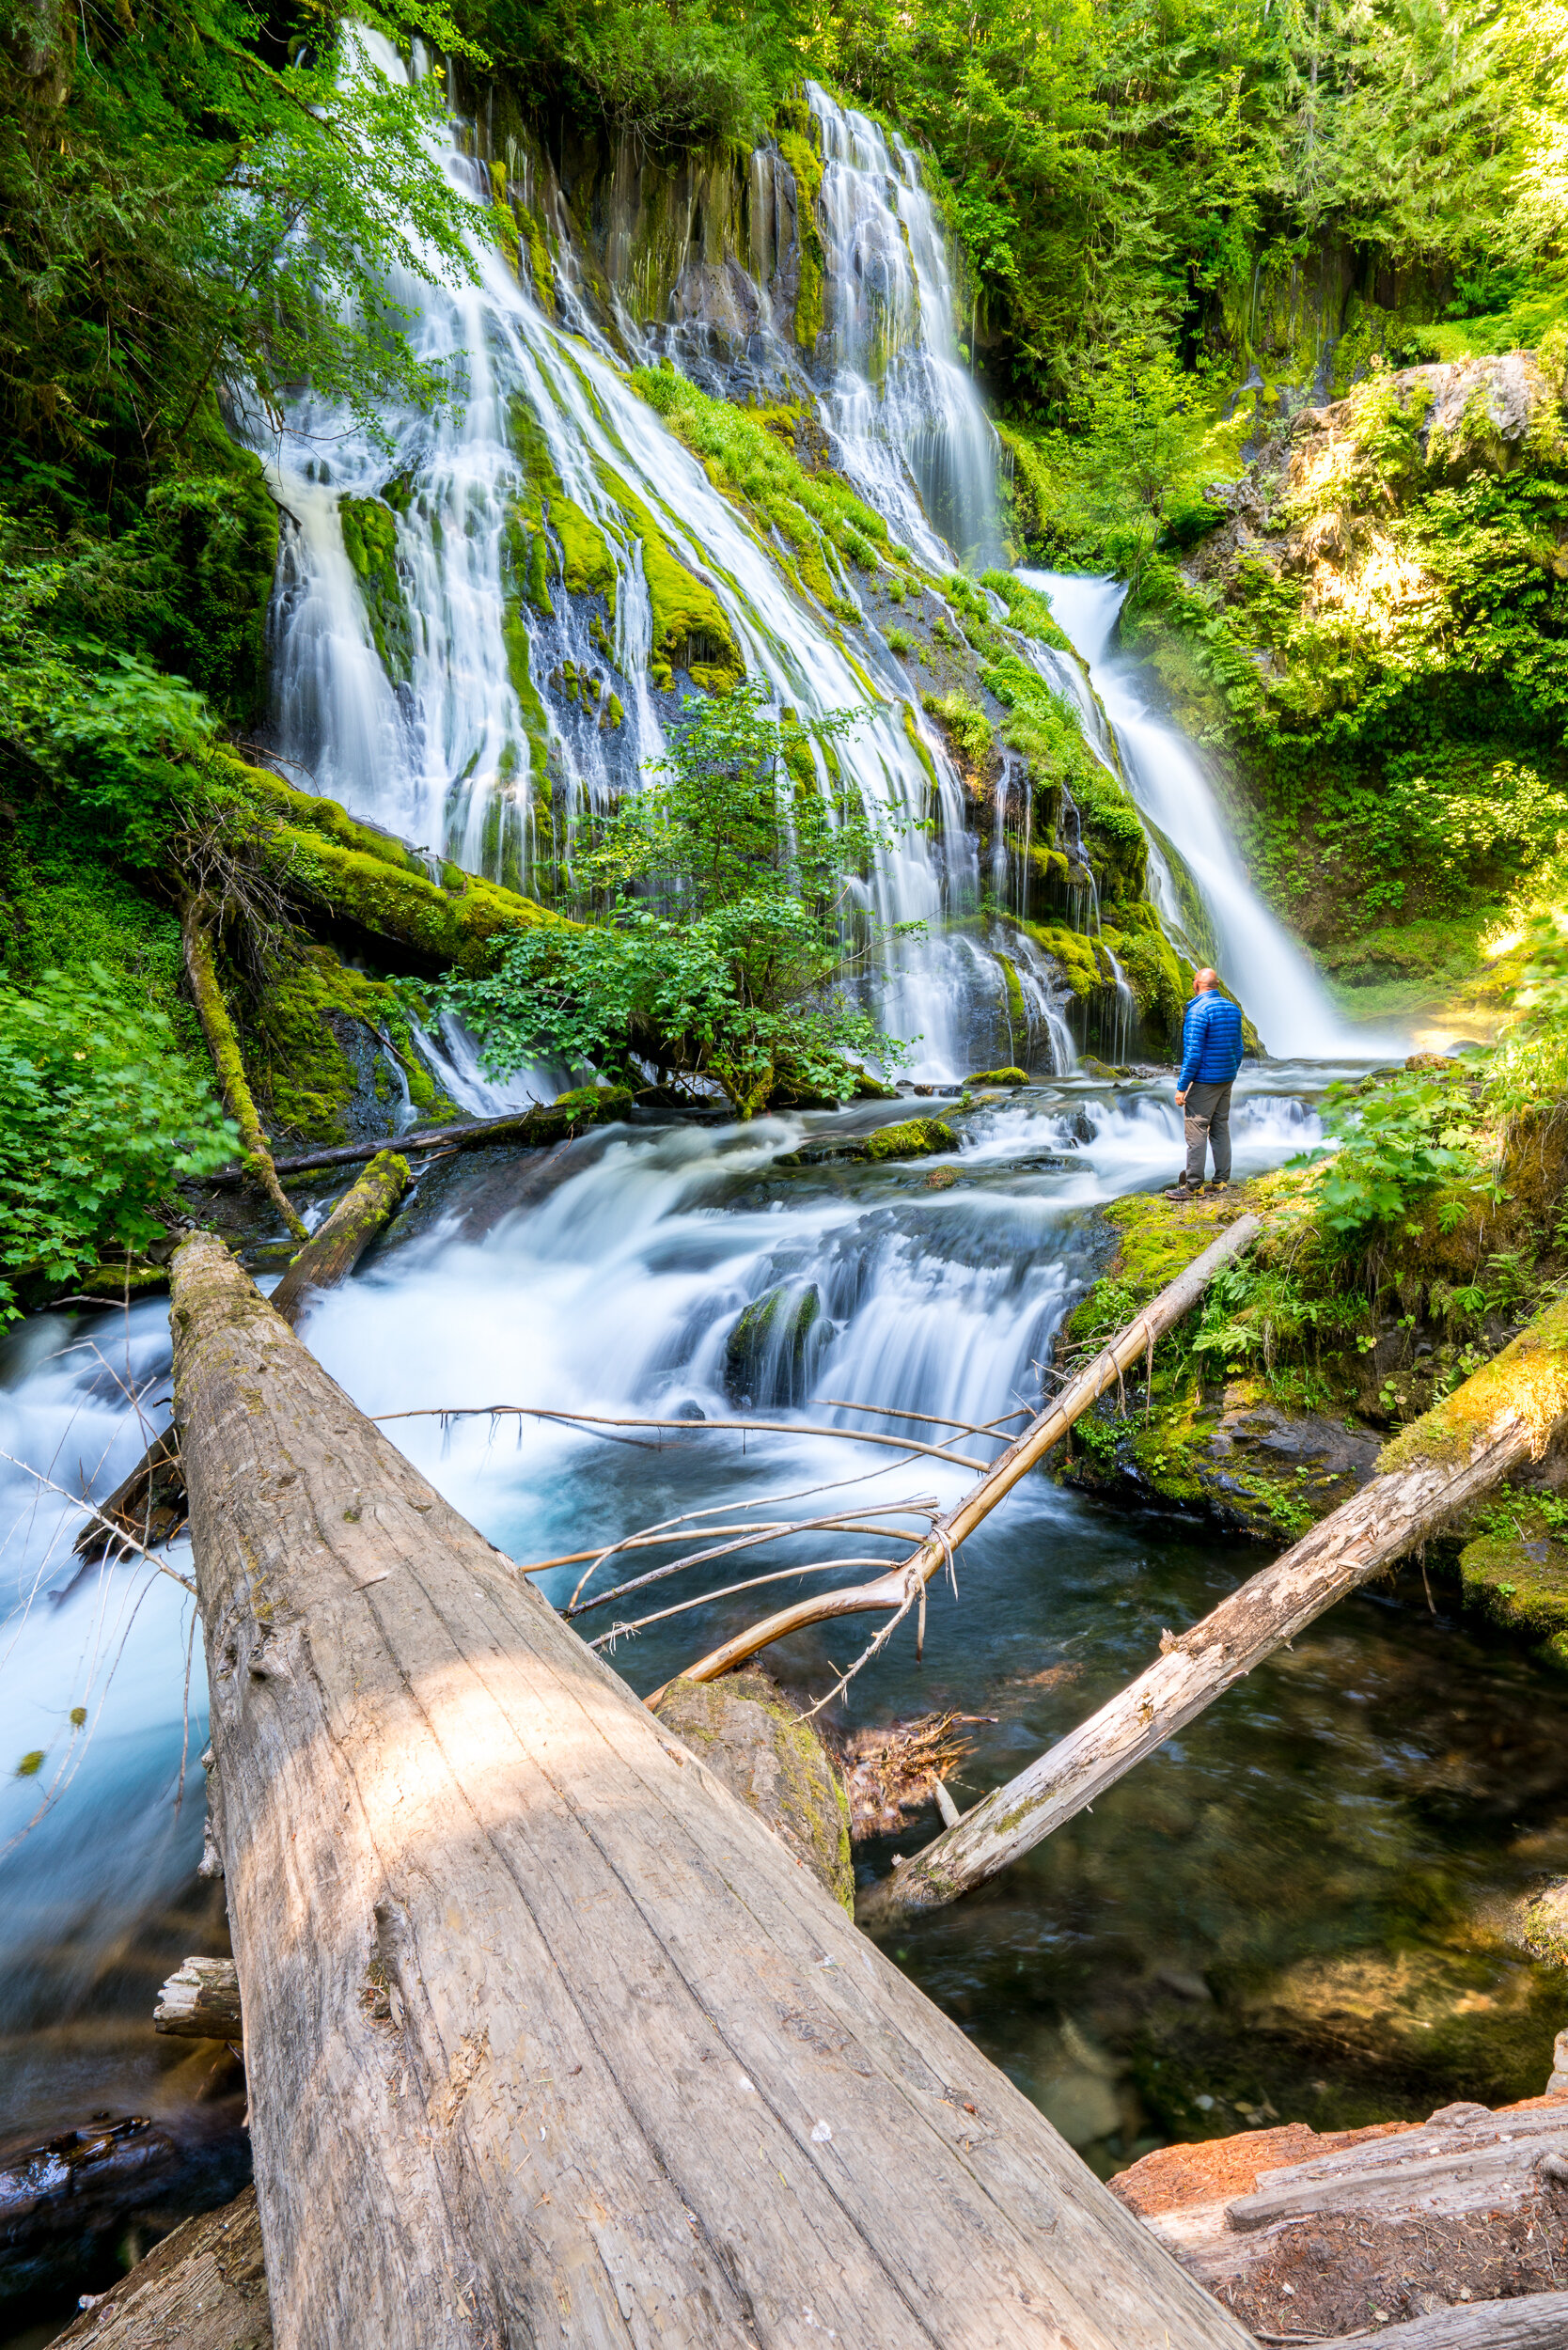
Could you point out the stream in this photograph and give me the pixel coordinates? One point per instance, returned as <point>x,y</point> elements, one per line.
<point>1293,1911</point>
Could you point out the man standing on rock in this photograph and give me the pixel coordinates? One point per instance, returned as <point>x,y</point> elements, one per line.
<point>1211,1055</point>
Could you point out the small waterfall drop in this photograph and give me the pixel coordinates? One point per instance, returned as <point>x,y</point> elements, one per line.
<point>1254,954</point>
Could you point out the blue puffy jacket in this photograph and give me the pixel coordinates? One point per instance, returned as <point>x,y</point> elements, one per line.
<point>1211,1042</point>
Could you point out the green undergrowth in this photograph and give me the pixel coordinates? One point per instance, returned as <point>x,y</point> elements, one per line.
<point>1379,666</point>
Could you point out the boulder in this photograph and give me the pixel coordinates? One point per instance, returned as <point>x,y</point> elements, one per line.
<point>750,1735</point>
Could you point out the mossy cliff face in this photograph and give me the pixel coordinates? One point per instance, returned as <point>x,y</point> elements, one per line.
<point>702,248</point>
<point>1374,646</point>
<point>371,541</point>
<point>749,1734</point>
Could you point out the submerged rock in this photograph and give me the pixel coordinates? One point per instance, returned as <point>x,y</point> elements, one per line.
<point>750,1735</point>
<point>764,1355</point>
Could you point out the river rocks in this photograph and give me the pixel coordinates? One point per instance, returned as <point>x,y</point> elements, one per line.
<point>998,1077</point>
<point>766,1354</point>
<point>1518,1576</point>
<point>911,1138</point>
<point>749,1733</point>
<point>1245,1461</point>
<point>1079,2086</point>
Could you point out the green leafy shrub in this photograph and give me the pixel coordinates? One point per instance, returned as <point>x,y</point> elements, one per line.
<point>100,1114</point>
<point>1400,1136</point>
<point>730,886</point>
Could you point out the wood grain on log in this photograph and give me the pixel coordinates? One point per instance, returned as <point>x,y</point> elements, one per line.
<point>549,2040</point>
<point>1438,1466</point>
<point>202,2289</point>
<point>1536,2321</point>
<point>151,1502</point>
<point>891,1591</point>
<point>201,2002</point>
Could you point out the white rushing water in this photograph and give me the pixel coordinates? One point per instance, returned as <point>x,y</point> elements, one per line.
<point>466,755</point>
<point>1255,955</point>
<point>911,431</point>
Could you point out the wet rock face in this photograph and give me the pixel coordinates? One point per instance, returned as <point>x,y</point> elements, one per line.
<point>768,1349</point>
<point>748,1731</point>
<point>1250,1465</point>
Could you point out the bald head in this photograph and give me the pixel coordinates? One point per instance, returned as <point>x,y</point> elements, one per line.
<point>1203,980</point>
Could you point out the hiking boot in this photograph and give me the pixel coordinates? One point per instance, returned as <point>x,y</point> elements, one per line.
<point>1182,1189</point>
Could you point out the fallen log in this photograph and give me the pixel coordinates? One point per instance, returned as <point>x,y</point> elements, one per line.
<point>1440,1464</point>
<point>1532,2321</point>
<point>1429,2225</point>
<point>335,1247</point>
<point>202,2288</point>
<point>150,1503</point>
<point>224,1046</point>
<point>201,2002</point>
<point>894,1593</point>
<point>548,2039</point>
<point>536,1127</point>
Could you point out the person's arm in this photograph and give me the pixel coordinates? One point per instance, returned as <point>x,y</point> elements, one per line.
<point>1193,1025</point>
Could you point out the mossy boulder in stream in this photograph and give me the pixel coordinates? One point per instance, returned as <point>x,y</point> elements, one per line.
<point>1516,1575</point>
<point>766,1354</point>
<point>911,1138</point>
<point>749,1734</point>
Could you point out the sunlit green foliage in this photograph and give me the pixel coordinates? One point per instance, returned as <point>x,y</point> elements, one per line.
<point>100,1114</point>
<point>734,921</point>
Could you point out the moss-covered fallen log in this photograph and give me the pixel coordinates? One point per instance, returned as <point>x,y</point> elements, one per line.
<point>1434,1468</point>
<point>369,880</point>
<point>335,1247</point>
<point>224,1046</point>
<point>548,2038</point>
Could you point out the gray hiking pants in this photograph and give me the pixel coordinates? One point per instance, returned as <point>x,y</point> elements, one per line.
<point>1207,1116</point>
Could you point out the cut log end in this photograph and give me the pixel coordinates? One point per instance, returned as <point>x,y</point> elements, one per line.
<point>201,2002</point>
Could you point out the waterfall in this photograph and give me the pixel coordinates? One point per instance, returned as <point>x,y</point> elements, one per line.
<point>910,428</point>
<point>1192,854</point>
<point>461,638</point>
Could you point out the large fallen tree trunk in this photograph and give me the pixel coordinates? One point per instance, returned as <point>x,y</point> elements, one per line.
<point>1434,1468</point>
<point>548,2040</point>
<point>892,1594</point>
<point>151,1502</point>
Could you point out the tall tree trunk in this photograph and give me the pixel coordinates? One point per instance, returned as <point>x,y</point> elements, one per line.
<point>1438,1466</point>
<point>549,2040</point>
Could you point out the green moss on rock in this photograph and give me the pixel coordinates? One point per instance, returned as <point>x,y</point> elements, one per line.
<point>371,541</point>
<point>912,1138</point>
<point>1516,1576</point>
<point>748,1735</point>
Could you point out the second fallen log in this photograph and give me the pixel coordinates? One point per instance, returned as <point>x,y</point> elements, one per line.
<point>1440,1464</point>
